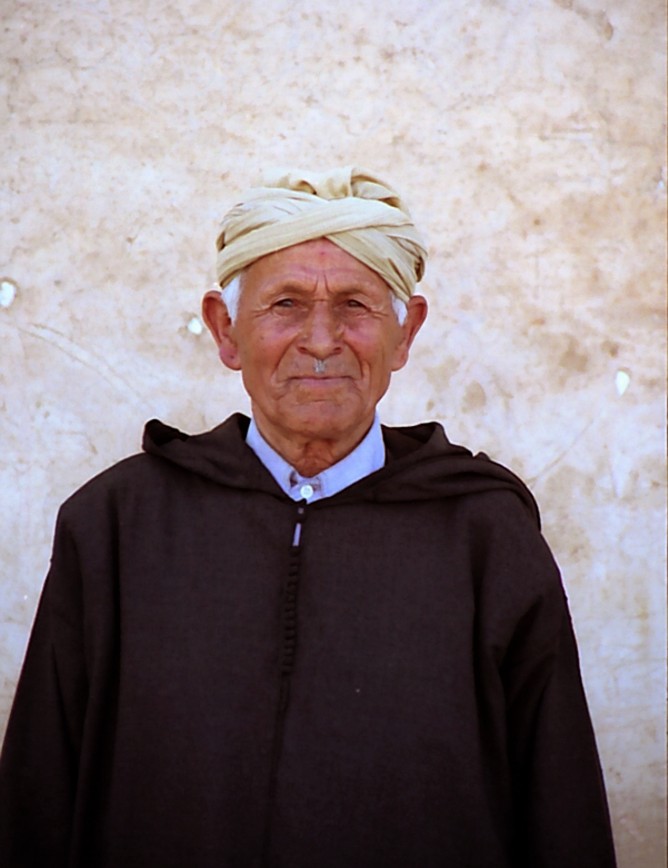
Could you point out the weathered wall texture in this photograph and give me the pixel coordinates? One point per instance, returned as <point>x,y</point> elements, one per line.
<point>526,134</point>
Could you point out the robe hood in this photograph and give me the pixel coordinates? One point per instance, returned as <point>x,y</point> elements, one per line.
<point>422,464</point>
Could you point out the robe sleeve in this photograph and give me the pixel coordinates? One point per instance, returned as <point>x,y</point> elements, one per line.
<point>562,818</point>
<point>40,756</point>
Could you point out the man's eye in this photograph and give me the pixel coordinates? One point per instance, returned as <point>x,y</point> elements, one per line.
<point>354,303</point>
<point>284,302</point>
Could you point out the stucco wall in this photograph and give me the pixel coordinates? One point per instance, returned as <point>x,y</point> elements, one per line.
<point>527,136</point>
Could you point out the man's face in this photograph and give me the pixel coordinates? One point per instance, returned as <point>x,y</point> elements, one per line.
<point>316,340</point>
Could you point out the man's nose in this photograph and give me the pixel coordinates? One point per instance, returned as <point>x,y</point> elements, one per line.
<point>321,332</point>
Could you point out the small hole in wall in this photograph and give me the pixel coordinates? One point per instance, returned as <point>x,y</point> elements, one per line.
<point>622,381</point>
<point>8,290</point>
<point>195,326</point>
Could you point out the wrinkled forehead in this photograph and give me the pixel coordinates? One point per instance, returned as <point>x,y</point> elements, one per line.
<point>311,264</point>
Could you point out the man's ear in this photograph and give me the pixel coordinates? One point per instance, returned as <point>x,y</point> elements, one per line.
<point>416,313</point>
<point>217,319</point>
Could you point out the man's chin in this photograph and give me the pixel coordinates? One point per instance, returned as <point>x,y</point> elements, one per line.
<point>323,420</point>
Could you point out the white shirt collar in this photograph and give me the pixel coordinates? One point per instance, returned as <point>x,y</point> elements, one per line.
<point>367,457</point>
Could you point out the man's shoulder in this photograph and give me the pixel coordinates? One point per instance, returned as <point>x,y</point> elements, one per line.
<point>170,461</point>
<point>423,464</point>
<point>136,472</point>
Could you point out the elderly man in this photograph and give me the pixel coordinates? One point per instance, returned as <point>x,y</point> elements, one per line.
<point>304,640</point>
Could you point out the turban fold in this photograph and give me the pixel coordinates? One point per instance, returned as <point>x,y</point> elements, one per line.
<point>350,207</point>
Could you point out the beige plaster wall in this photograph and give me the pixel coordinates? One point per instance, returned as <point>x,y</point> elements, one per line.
<point>527,134</point>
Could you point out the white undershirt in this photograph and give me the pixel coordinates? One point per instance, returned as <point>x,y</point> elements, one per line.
<point>365,458</point>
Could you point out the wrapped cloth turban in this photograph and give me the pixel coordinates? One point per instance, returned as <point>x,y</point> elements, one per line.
<point>348,206</point>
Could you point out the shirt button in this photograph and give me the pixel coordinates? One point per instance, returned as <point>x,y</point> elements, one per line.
<point>306,491</point>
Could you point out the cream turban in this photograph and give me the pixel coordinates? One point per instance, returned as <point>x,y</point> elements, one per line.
<point>348,206</point>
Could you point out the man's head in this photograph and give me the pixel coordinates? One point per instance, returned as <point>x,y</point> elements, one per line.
<point>324,320</point>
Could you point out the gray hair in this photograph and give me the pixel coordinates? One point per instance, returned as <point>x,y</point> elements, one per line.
<point>231,294</point>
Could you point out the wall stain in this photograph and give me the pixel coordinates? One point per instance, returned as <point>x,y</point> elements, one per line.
<point>474,399</point>
<point>599,20</point>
